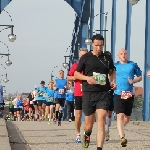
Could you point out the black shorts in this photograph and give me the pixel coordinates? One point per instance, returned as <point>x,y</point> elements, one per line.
<point>34,102</point>
<point>31,106</point>
<point>78,102</point>
<point>11,110</point>
<point>60,101</point>
<point>111,106</point>
<point>123,105</point>
<point>49,103</point>
<point>41,102</point>
<point>95,100</point>
<point>26,111</point>
<point>17,109</point>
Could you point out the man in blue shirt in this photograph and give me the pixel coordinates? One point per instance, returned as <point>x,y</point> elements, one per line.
<point>41,99</point>
<point>60,95</point>
<point>124,96</point>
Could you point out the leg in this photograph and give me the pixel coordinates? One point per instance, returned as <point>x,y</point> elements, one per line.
<point>101,116</point>
<point>57,107</point>
<point>120,124</point>
<point>126,119</point>
<point>72,111</point>
<point>51,111</point>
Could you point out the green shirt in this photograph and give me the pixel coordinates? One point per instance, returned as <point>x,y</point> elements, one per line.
<point>11,104</point>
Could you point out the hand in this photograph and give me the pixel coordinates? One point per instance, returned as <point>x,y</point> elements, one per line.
<point>130,81</point>
<point>113,86</point>
<point>91,80</point>
<point>148,73</point>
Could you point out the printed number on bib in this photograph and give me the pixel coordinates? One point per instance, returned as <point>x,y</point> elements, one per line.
<point>61,91</point>
<point>100,78</point>
<point>31,102</point>
<point>126,94</point>
<point>50,99</point>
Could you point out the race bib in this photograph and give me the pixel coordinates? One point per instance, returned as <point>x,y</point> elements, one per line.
<point>50,99</point>
<point>81,87</point>
<point>20,106</point>
<point>42,93</point>
<point>61,91</point>
<point>126,94</point>
<point>31,102</point>
<point>99,78</point>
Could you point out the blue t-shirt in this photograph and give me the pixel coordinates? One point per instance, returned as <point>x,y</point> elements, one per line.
<point>49,95</point>
<point>70,94</point>
<point>19,103</point>
<point>123,73</point>
<point>61,90</point>
<point>41,91</point>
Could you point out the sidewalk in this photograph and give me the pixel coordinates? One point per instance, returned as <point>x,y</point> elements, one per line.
<point>4,139</point>
<point>41,136</point>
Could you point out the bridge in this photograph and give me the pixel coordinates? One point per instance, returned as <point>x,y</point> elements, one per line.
<point>85,13</point>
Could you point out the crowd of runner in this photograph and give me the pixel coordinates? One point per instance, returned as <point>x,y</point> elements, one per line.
<point>95,85</point>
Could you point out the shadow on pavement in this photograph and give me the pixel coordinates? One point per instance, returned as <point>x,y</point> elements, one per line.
<point>17,142</point>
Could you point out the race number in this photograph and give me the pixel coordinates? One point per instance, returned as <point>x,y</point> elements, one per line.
<point>61,91</point>
<point>99,78</point>
<point>126,94</point>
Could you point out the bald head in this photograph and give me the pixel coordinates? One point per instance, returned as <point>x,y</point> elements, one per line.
<point>122,55</point>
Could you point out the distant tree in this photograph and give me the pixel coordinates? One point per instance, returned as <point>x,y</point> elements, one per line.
<point>138,101</point>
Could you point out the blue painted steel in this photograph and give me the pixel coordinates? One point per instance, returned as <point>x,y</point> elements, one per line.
<point>128,28</point>
<point>113,29</point>
<point>92,20</point>
<point>3,4</point>
<point>146,64</point>
<point>101,16</point>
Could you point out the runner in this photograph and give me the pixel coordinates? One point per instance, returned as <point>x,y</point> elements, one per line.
<point>41,100</point>
<point>31,108</point>
<point>35,103</point>
<point>70,101</point>
<point>60,89</point>
<point>19,105</point>
<point>11,109</point>
<point>26,109</point>
<point>49,95</point>
<point>15,108</point>
<point>110,109</point>
<point>124,96</point>
<point>95,86</point>
<point>78,95</point>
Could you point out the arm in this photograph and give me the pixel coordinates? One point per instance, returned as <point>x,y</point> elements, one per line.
<point>112,77</point>
<point>80,76</point>
<point>54,86</point>
<point>138,73</point>
<point>70,76</point>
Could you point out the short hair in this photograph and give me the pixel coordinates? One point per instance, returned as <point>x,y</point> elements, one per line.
<point>61,71</point>
<point>107,53</point>
<point>83,49</point>
<point>97,37</point>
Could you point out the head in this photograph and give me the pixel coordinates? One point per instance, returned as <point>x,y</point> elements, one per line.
<point>70,84</point>
<point>82,51</point>
<point>51,84</point>
<point>19,96</point>
<point>122,55</point>
<point>61,74</point>
<point>27,99</point>
<point>97,43</point>
<point>42,83</point>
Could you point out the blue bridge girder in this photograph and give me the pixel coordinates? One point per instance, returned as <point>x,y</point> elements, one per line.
<point>3,4</point>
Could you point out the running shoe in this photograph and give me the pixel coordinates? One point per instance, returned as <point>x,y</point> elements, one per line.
<point>85,141</point>
<point>123,142</point>
<point>78,138</point>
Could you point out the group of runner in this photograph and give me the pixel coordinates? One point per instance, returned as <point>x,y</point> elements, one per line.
<point>100,87</point>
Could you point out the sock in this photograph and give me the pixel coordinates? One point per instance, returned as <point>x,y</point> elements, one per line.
<point>99,148</point>
<point>57,114</point>
<point>88,133</point>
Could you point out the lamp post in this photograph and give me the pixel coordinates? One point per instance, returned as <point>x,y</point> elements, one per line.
<point>88,40</point>
<point>52,72</point>
<point>6,80</point>
<point>11,36</point>
<point>65,64</point>
<point>133,2</point>
<point>8,62</point>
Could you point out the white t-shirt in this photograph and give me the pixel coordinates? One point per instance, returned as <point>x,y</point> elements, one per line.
<point>14,101</point>
<point>35,96</point>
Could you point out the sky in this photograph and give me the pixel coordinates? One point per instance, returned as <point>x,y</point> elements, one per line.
<point>44,32</point>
